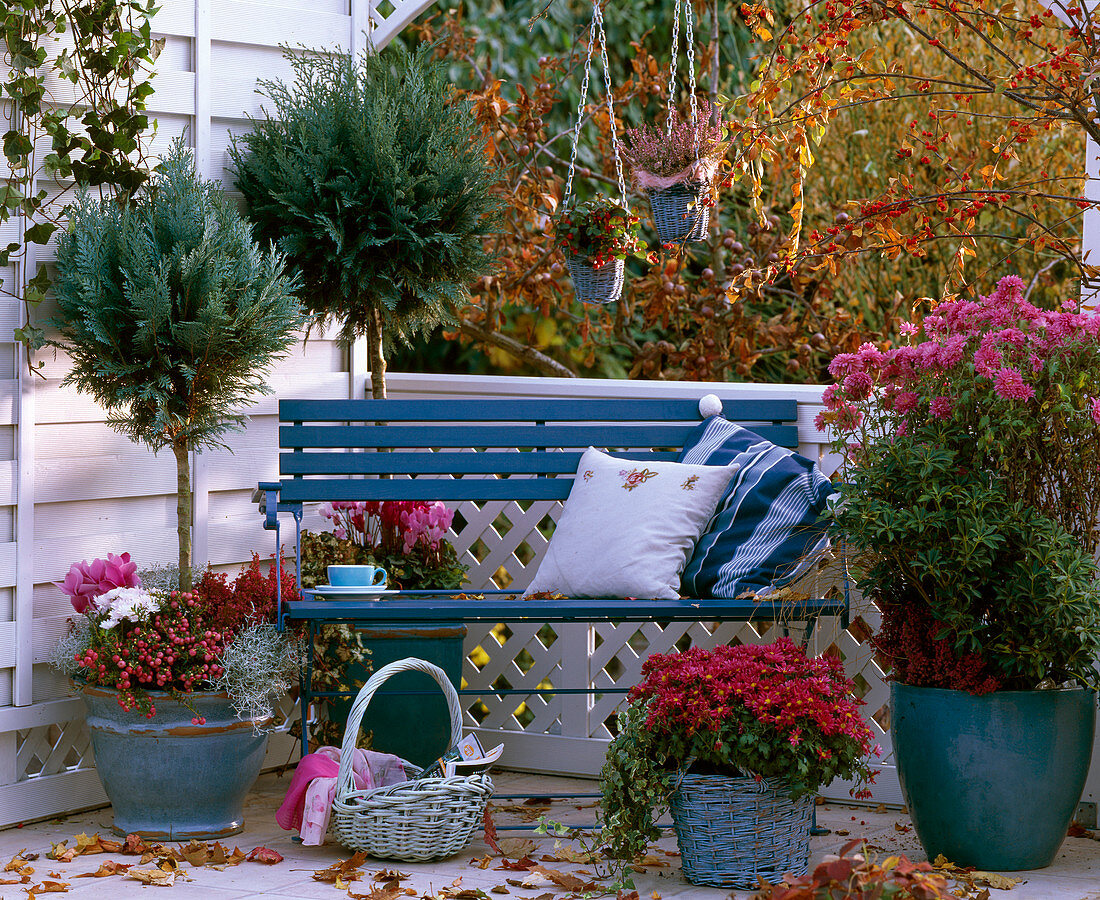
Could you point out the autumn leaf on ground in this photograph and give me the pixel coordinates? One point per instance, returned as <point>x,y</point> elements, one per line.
<point>134,846</point>
<point>47,887</point>
<point>562,879</point>
<point>61,851</point>
<point>18,862</point>
<point>86,846</point>
<point>264,855</point>
<point>155,876</point>
<point>490,830</point>
<point>499,889</point>
<point>516,847</point>
<point>347,870</point>
<point>110,867</point>
<point>568,854</point>
<point>482,863</point>
<point>519,865</point>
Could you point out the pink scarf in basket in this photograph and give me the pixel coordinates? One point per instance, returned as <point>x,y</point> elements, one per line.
<point>308,801</point>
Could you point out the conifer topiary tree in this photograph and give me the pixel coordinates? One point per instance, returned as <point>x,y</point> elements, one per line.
<point>371,176</point>
<point>171,312</point>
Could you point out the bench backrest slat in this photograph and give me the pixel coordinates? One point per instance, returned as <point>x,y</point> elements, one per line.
<point>538,442</point>
<point>527,410</point>
<point>488,462</point>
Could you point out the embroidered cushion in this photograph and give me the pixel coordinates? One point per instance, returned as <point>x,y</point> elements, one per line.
<point>767,531</point>
<point>627,528</point>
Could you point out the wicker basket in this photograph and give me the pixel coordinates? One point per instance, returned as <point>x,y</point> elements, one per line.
<point>419,820</point>
<point>678,213</point>
<point>592,285</point>
<point>732,831</point>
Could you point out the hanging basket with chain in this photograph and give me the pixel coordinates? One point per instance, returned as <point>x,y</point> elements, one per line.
<point>597,235</point>
<point>677,169</point>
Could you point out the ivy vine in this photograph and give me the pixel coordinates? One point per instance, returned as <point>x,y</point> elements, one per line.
<point>58,137</point>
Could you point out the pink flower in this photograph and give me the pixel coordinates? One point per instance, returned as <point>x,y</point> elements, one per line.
<point>908,329</point>
<point>1009,385</point>
<point>941,407</point>
<point>845,364</point>
<point>905,401</point>
<point>85,581</point>
<point>1095,410</point>
<point>858,386</point>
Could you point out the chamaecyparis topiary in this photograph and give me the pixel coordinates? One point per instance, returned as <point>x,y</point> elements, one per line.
<point>371,176</point>
<point>171,311</point>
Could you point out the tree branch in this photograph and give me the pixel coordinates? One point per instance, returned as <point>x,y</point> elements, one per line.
<point>530,355</point>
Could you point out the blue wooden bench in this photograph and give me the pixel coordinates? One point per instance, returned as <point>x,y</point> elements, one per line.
<point>486,450</point>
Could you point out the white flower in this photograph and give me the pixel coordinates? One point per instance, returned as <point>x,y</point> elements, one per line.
<point>126,603</point>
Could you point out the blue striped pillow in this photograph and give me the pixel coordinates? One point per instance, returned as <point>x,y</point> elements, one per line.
<point>768,528</point>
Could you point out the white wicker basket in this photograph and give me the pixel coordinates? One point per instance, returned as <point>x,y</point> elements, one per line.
<point>419,820</point>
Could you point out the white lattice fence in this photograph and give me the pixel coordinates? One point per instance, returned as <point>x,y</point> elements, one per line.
<point>503,542</point>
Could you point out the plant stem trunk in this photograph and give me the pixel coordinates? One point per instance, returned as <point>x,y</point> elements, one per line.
<point>376,355</point>
<point>183,512</point>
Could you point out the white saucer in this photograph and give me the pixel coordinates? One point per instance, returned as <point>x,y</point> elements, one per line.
<point>352,590</point>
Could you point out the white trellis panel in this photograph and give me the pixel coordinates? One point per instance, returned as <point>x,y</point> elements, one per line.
<point>503,544</point>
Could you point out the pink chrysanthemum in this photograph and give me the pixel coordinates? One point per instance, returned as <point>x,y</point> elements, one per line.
<point>1095,410</point>
<point>857,386</point>
<point>941,407</point>
<point>1008,384</point>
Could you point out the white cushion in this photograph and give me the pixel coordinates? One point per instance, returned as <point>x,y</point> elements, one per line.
<point>628,528</point>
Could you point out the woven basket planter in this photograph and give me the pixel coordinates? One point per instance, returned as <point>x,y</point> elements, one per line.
<point>592,285</point>
<point>430,818</point>
<point>678,213</point>
<point>733,831</point>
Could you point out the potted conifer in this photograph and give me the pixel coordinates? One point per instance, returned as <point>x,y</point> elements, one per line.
<point>371,176</point>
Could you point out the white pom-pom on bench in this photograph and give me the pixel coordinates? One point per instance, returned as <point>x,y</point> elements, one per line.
<point>710,405</point>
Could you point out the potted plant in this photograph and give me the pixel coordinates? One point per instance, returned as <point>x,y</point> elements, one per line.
<point>170,313</point>
<point>750,731</point>
<point>596,236</point>
<point>970,503</point>
<point>408,540</point>
<point>372,178</point>
<point>676,167</point>
<point>179,689</point>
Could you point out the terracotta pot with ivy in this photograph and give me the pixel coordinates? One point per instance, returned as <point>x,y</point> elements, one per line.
<point>970,502</point>
<point>754,730</point>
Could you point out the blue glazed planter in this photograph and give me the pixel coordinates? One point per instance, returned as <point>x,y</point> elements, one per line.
<point>167,778</point>
<point>992,781</point>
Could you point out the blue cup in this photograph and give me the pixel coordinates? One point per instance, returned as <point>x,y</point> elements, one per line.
<point>357,576</point>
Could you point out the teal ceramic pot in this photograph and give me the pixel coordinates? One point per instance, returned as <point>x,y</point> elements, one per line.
<point>167,778</point>
<point>417,725</point>
<point>992,781</point>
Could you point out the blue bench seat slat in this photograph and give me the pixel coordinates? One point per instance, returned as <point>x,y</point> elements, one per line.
<point>417,609</point>
<point>566,436</point>
<point>527,410</point>
<point>487,462</point>
<point>300,490</point>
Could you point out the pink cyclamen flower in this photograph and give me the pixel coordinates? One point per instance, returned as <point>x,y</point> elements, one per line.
<point>1008,384</point>
<point>85,581</point>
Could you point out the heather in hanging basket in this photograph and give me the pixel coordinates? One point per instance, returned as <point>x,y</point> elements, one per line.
<point>676,165</point>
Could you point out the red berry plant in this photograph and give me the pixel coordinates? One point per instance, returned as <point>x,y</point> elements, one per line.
<point>220,636</point>
<point>766,711</point>
<point>599,231</point>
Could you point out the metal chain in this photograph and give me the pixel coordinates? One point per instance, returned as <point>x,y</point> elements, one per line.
<point>580,108</point>
<point>672,65</point>
<point>690,35</point>
<point>598,17</point>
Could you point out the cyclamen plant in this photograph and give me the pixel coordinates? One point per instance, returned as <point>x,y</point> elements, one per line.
<point>752,710</point>
<point>391,526</point>
<point>971,492</point>
<point>599,231</point>
<point>86,581</point>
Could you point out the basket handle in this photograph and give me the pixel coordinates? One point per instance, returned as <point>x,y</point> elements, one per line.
<point>345,779</point>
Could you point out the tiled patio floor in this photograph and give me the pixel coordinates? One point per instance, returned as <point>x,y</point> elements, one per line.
<point>1075,875</point>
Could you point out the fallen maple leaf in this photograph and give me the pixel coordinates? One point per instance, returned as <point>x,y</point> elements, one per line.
<point>345,871</point>
<point>134,845</point>
<point>490,830</point>
<point>516,847</point>
<point>264,855</point>
<point>518,865</point>
<point>110,867</point>
<point>155,876</point>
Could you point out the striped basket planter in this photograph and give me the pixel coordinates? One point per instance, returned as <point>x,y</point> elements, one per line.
<point>678,213</point>
<point>733,831</point>
<point>592,285</point>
